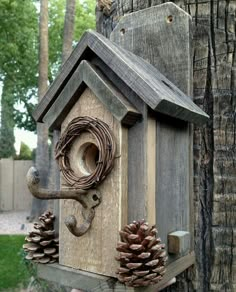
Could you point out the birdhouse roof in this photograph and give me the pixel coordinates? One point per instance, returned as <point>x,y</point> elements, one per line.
<point>142,78</point>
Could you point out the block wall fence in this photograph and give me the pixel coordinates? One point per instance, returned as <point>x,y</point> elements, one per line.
<point>14,194</point>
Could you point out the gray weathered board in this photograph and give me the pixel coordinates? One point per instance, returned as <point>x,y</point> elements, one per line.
<point>95,251</point>
<point>97,283</point>
<point>167,46</point>
<point>146,81</point>
<point>88,75</point>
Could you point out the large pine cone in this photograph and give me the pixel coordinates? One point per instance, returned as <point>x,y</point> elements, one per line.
<point>142,256</point>
<point>42,246</point>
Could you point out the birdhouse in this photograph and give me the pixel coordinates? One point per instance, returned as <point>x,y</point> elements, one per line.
<point>123,155</point>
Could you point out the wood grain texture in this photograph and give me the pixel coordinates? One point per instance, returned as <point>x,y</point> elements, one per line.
<point>214,146</point>
<point>137,168</point>
<point>173,187</point>
<point>88,75</point>
<point>54,180</point>
<point>179,242</point>
<point>151,170</point>
<point>96,283</point>
<point>137,149</point>
<point>166,21</point>
<point>93,251</point>
<point>173,193</point>
<point>145,80</point>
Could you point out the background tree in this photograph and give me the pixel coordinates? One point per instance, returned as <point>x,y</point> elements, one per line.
<point>42,154</point>
<point>68,34</point>
<point>83,20</point>
<point>61,34</point>
<point>68,29</point>
<point>18,69</point>
<point>19,59</point>
<point>214,61</point>
<point>25,152</point>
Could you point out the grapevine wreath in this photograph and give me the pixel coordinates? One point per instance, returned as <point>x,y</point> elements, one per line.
<point>106,146</point>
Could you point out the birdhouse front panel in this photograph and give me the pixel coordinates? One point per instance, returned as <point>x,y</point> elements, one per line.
<point>94,251</point>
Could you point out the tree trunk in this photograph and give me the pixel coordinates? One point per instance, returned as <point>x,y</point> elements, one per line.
<point>68,29</point>
<point>66,50</point>
<point>215,144</point>
<point>42,156</point>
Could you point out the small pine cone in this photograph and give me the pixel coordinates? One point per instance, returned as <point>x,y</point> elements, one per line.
<point>42,245</point>
<point>142,256</point>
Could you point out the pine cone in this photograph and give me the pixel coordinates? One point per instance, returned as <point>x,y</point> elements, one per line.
<point>142,256</point>
<point>42,246</point>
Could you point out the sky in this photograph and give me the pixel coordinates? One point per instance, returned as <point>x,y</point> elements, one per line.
<point>29,138</point>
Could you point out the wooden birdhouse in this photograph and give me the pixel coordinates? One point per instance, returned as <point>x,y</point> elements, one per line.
<point>124,150</point>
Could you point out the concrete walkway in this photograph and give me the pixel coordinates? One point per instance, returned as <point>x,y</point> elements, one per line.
<point>14,222</point>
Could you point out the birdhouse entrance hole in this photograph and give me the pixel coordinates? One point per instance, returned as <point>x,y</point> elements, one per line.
<point>88,158</point>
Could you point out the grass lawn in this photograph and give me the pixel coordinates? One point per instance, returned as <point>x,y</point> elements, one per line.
<point>13,272</point>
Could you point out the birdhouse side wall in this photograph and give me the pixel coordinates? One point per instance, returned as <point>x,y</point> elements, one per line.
<point>173,177</point>
<point>95,250</point>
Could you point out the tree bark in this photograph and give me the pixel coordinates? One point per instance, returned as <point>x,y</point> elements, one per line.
<point>42,156</point>
<point>214,62</point>
<point>68,29</point>
<point>68,33</point>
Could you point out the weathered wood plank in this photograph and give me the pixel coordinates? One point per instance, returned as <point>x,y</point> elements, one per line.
<point>214,91</point>
<point>96,283</point>
<point>151,170</point>
<point>137,149</point>
<point>179,242</point>
<point>171,55</point>
<point>88,75</point>
<point>149,84</point>
<point>173,193</point>
<point>155,89</point>
<point>95,250</point>
<point>166,21</point>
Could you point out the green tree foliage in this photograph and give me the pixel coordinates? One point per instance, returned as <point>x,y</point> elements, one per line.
<point>19,59</point>
<point>25,152</point>
<point>7,138</point>
<point>18,68</point>
<point>84,19</point>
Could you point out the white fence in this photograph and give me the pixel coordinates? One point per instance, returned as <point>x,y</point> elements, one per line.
<point>14,194</point>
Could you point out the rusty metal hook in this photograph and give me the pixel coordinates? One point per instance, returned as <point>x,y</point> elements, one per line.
<point>93,200</point>
<point>89,199</point>
<point>71,223</point>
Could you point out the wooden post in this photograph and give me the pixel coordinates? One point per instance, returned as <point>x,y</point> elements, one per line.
<point>214,146</point>
<point>164,40</point>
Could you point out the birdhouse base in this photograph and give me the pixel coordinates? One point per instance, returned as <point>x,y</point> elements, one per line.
<point>87,281</point>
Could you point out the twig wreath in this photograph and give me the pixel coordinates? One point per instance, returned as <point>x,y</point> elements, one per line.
<point>106,146</point>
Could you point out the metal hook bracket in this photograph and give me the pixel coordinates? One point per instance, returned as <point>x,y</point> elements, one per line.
<point>89,199</point>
